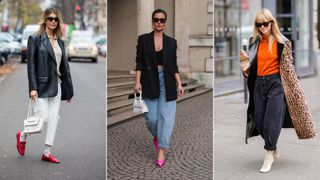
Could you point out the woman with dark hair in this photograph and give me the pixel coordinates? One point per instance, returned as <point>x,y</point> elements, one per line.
<point>157,77</point>
<point>276,98</point>
<point>49,77</point>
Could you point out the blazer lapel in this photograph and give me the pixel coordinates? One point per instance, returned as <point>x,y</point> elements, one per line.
<point>164,49</point>
<point>46,43</point>
<point>152,48</point>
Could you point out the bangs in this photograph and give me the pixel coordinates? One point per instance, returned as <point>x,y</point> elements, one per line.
<point>261,17</point>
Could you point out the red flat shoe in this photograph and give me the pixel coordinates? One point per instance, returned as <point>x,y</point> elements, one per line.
<point>156,143</point>
<point>50,158</point>
<point>21,146</point>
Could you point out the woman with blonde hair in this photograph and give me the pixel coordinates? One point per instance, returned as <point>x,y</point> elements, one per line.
<point>49,77</point>
<point>276,98</point>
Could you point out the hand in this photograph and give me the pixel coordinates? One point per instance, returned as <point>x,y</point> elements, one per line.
<point>34,95</point>
<point>181,90</point>
<point>69,101</point>
<point>243,55</point>
<point>137,88</point>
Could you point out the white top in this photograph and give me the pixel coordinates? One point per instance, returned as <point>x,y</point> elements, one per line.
<point>58,55</point>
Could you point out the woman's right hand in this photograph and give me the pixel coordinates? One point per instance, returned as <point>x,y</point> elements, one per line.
<point>137,88</point>
<point>34,94</point>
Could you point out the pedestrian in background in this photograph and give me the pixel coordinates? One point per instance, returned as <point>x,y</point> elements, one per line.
<point>49,77</point>
<point>157,77</point>
<point>276,98</point>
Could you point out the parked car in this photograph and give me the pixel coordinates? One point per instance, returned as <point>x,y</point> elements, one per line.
<point>102,45</point>
<point>28,30</point>
<point>82,47</point>
<point>4,52</point>
<point>14,46</point>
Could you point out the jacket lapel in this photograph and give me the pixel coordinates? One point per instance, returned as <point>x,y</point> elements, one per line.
<point>253,50</point>
<point>280,48</point>
<point>164,50</point>
<point>152,48</point>
<point>46,43</point>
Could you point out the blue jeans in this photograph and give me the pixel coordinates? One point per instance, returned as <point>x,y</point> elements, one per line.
<point>161,115</point>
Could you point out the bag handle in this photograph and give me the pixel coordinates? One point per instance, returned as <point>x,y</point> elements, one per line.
<point>140,97</point>
<point>30,108</point>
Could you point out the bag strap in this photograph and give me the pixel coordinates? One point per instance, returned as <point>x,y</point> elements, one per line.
<point>30,109</point>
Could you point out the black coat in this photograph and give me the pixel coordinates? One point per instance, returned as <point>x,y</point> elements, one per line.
<point>146,63</point>
<point>251,128</point>
<point>42,68</point>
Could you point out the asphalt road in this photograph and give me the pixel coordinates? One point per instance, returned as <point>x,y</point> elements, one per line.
<point>80,140</point>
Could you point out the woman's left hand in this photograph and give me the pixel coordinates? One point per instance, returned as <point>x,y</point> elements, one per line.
<point>69,101</point>
<point>181,90</point>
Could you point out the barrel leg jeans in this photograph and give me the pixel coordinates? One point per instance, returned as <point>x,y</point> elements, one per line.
<point>269,104</point>
<point>161,116</point>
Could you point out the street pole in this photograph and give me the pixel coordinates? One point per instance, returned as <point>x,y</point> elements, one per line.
<point>245,88</point>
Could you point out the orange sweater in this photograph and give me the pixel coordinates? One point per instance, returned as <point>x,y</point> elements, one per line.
<point>267,61</point>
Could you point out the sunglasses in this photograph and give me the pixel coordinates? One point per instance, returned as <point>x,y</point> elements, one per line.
<point>56,19</point>
<point>264,24</point>
<point>161,20</point>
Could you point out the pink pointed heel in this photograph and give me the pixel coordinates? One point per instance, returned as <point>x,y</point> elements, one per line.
<point>156,143</point>
<point>160,163</point>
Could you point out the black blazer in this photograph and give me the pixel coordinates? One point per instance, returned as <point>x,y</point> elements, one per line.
<point>146,63</point>
<point>42,68</point>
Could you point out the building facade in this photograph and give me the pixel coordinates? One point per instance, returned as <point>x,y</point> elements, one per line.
<point>234,21</point>
<point>190,22</point>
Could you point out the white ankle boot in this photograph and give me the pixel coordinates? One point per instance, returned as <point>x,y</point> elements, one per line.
<point>268,160</point>
<point>276,153</point>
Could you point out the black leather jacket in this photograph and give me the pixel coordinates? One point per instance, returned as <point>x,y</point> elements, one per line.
<point>42,68</point>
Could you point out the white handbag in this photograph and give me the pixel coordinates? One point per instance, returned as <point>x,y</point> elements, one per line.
<point>34,122</point>
<point>139,105</point>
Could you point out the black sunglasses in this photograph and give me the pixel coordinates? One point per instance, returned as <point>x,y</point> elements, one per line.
<point>264,24</point>
<point>56,19</point>
<point>162,20</point>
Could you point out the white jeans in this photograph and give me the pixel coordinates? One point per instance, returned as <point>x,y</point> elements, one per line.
<point>49,110</point>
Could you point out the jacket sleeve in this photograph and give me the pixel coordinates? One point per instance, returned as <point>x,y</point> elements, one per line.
<point>32,47</point>
<point>139,55</point>
<point>176,69</point>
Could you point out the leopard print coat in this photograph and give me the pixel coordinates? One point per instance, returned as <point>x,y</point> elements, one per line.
<point>298,114</point>
<point>296,101</point>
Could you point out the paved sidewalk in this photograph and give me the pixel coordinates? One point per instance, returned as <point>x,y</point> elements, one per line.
<point>235,160</point>
<point>131,154</point>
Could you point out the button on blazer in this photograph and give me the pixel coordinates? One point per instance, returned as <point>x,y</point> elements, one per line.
<point>146,63</point>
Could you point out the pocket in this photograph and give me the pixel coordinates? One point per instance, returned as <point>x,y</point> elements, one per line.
<point>42,79</point>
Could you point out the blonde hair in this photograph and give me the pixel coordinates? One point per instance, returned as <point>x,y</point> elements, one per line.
<point>264,15</point>
<point>58,30</point>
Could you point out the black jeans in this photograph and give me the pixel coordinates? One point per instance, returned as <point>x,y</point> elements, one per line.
<point>269,108</point>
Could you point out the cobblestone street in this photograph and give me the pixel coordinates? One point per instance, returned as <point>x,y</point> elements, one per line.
<point>131,153</point>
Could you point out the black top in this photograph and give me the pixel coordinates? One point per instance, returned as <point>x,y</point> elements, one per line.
<point>159,57</point>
